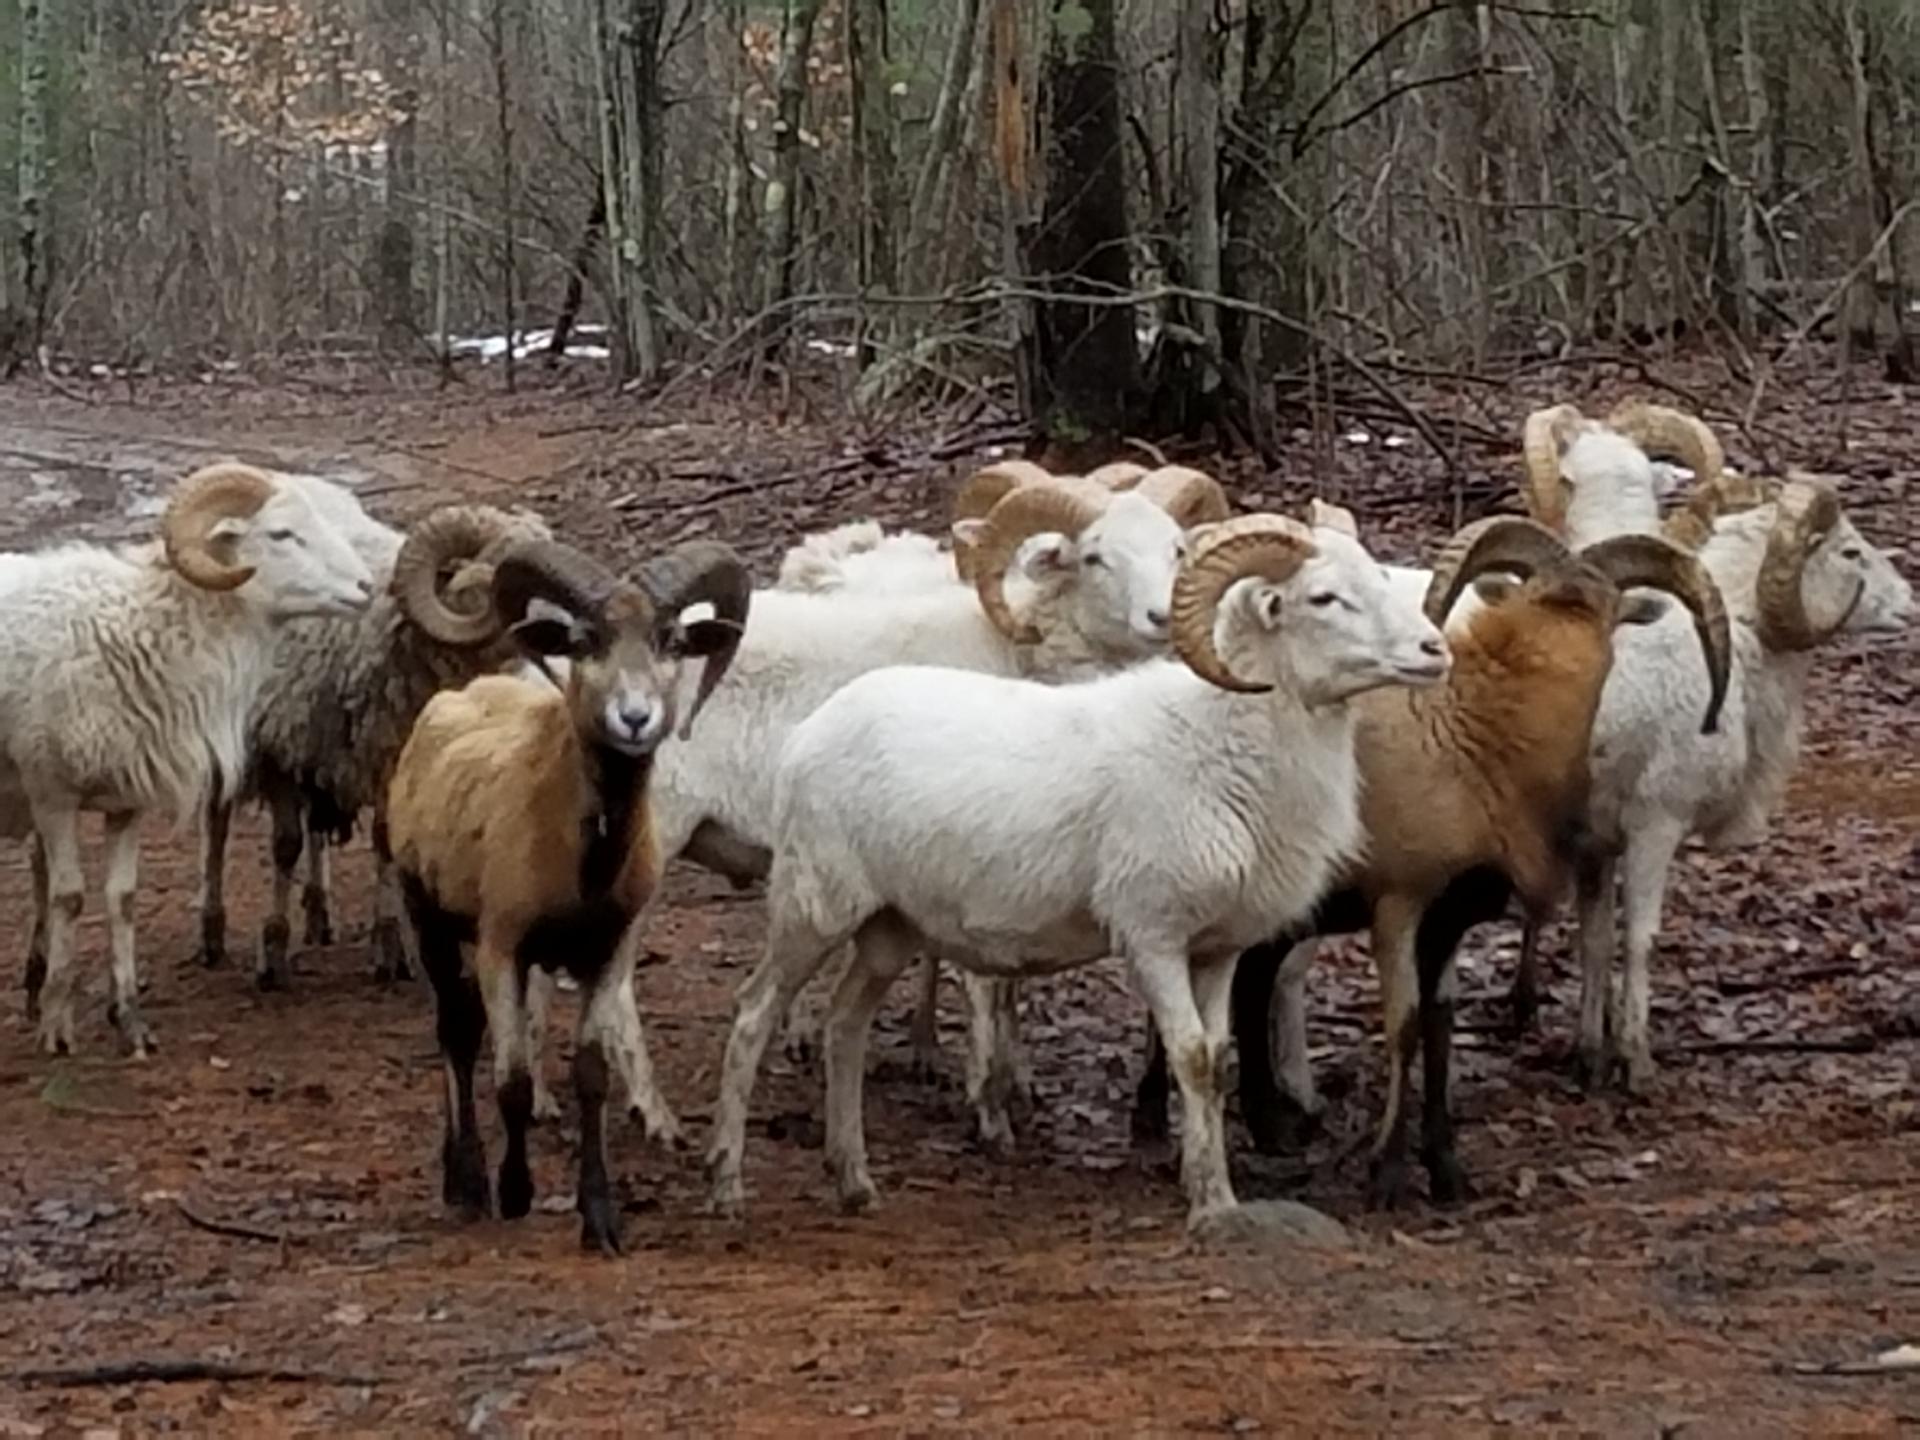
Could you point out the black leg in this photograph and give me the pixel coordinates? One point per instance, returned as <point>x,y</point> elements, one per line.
<point>275,972</point>
<point>1441,930</point>
<point>313,898</point>
<point>516,1113</point>
<point>37,935</point>
<point>599,1223</point>
<point>1150,1098</point>
<point>461,1021</point>
<point>1524,998</point>
<point>1387,1182</point>
<point>213,860</point>
<point>1276,1121</point>
<point>389,954</point>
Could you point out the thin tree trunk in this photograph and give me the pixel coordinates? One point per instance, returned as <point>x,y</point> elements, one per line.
<point>1759,171</point>
<point>33,175</point>
<point>503,116</point>
<point>1197,100</point>
<point>443,195</point>
<point>569,315</point>
<point>872,151</point>
<point>739,171</point>
<point>629,59</point>
<point>783,191</point>
<point>924,210</point>
<point>394,243</point>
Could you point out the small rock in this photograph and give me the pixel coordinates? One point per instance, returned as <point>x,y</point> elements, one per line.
<point>349,1315</point>
<point>1273,1222</point>
<point>1216,1293</point>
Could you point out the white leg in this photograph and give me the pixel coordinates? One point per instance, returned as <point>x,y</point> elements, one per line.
<point>539,1001</point>
<point>122,881</point>
<point>1173,988</point>
<point>628,1036</point>
<point>274,970</point>
<point>881,950</point>
<point>1649,859</point>
<point>1396,922</point>
<point>992,1058</point>
<point>58,823</point>
<point>795,954</point>
<point>1594,905</point>
<point>502,994</point>
<point>1292,1066</point>
<point>800,1025</point>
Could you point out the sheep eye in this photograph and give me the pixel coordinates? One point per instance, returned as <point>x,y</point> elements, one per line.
<point>281,534</point>
<point>1852,552</point>
<point>1323,599</point>
<point>1093,562</point>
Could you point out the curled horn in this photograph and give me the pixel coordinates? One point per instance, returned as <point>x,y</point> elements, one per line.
<point>1118,475</point>
<point>448,536</point>
<point>1547,433</point>
<point>549,570</point>
<point>1063,503</point>
<point>1500,542</point>
<point>201,501</point>
<point>1659,428</point>
<point>1190,497</point>
<point>702,571</point>
<point>983,490</point>
<point>1691,526</point>
<point>1808,511</point>
<point>1648,560</point>
<point>1265,547</point>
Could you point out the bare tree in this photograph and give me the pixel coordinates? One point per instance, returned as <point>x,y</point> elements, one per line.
<point>783,190</point>
<point>33,173</point>
<point>627,45</point>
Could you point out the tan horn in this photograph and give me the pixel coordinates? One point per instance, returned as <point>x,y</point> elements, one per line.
<point>1648,560</point>
<point>1807,513</point>
<point>1064,503</point>
<point>1266,547</point>
<point>1189,496</point>
<point>1691,526</point>
<point>445,538</point>
<point>1500,542</point>
<point>983,490</point>
<point>1118,475</point>
<point>1323,515</point>
<point>1547,433</point>
<point>201,501</point>
<point>1660,429</point>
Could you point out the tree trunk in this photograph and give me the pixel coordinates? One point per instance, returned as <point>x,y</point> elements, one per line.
<point>629,69</point>
<point>394,243</point>
<point>33,172</point>
<point>569,314</point>
<point>783,191</point>
<point>926,207</point>
<point>872,149</point>
<point>1086,363</point>
<point>1197,100</point>
<point>738,170</point>
<point>1877,305</point>
<point>503,119</point>
<point>1759,171</point>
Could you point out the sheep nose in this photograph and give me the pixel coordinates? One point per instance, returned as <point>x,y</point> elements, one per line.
<point>366,589</point>
<point>634,718</point>
<point>1435,647</point>
<point>1157,619</point>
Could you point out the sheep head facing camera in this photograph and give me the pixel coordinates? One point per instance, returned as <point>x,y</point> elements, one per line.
<point>519,821</point>
<point>229,525</point>
<point>1109,558</point>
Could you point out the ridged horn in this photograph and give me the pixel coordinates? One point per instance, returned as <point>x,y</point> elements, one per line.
<point>1660,429</point>
<point>442,539</point>
<point>1265,547</point>
<point>1118,474</point>
<point>1500,542</point>
<point>1650,561</point>
<point>550,570</point>
<point>1064,503</point>
<point>690,574</point>
<point>1807,512</point>
<point>1189,496</point>
<point>1691,526</point>
<point>1546,434</point>
<point>983,490</point>
<point>211,494</point>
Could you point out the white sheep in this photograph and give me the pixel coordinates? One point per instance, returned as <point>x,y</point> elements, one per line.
<point>1170,813</point>
<point>519,821</point>
<point>329,723</point>
<point>129,677</point>
<point>1592,479</point>
<point>1794,572</point>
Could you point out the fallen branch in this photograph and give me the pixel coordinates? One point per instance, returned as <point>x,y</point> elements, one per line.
<point>1813,1045</point>
<point>233,1229</point>
<point>181,1372</point>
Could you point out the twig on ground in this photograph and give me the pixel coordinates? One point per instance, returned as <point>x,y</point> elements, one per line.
<point>233,1229</point>
<point>1861,1044</point>
<point>181,1371</point>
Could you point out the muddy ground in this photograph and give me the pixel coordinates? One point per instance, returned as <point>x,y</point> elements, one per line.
<point>263,1195</point>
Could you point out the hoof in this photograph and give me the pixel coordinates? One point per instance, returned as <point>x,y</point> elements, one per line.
<point>463,1180</point>
<point>726,1194</point>
<point>389,952</point>
<point>993,1133</point>
<point>599,1225</point>
<point>800,1047</point>
<point>319,924</point>
<point>1447,1180</point>
<point>136,1036</point>
<point>545,1108</point>
<point>516,1191</point>
<point>856,1190</point>
<point>213,939</point>
<point>1386,1184</point>
<point>1591,1067</point>
<point>663,1130</point>
<point>273,972</point>
<point>1285,1127</point>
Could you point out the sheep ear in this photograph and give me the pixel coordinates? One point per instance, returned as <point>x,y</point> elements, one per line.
<point>1495,589</point>
<point>1642,607</point>
<point>1047,556</point>
<point>969,532</point>
<point>706,637</point>
<point>1267,605</point>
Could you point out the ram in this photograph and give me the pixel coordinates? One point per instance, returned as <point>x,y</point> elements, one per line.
<point>1794,573</point>
<point>329,723</point>
<point>520,824</point>
<point>1589,480</point>
<point>1172,813</point>
<point>1097,568</point>
<point>1473,793</point>
<point>129,677</point>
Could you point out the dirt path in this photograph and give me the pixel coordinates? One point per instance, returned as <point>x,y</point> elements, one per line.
<point>1654,1268</point>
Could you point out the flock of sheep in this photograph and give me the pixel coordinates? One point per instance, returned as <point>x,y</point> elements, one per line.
<point>1109,718</point>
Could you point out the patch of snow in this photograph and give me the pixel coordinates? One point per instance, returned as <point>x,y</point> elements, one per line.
<point>531,342</point>
<point>838,349</point>
<point>1357,437</point>
<point>1396,442</point>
